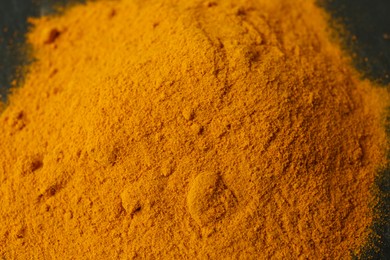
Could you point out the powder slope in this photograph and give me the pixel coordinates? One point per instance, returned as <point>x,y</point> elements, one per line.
<point>188,130</point>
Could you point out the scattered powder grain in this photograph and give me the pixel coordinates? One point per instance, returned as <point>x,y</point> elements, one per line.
<point>188,130</point>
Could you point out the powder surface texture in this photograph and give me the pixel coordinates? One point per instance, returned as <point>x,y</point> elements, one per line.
<point>188,130</point>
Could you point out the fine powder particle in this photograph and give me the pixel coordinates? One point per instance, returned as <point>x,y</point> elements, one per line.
<point>189,130</point>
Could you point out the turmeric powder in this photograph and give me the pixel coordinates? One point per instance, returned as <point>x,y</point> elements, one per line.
<point>189,130</point>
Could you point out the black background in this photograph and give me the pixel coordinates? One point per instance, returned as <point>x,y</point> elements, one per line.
<point>367,23</point>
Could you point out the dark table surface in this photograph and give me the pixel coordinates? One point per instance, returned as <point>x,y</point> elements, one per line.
<point>367,21</point>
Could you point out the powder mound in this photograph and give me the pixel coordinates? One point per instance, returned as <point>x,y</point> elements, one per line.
<point>188,130</point>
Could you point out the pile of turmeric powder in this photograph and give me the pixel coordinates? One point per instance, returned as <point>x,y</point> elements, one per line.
<point>189,129</point>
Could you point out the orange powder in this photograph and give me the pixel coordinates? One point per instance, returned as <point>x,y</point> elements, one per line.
<point>189,130</point>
